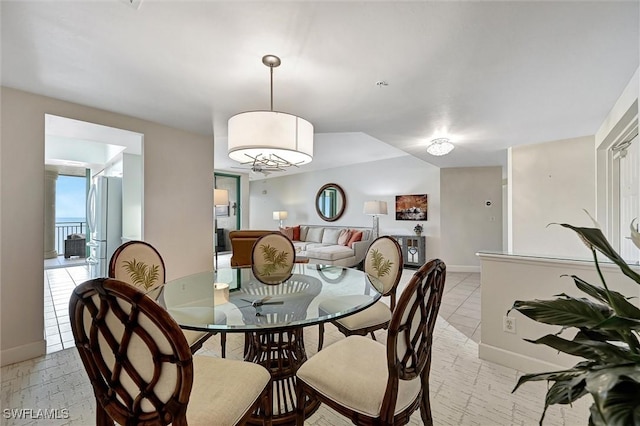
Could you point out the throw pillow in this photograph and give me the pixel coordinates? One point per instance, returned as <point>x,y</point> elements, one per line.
<point>344,237</point>
<point>314,235</point>
<point>331,235</point>
<point>287,232</point>
<point>296,233</point>
<point>355,237</point>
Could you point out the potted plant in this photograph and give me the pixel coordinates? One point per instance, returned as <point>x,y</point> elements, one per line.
<point>418,229</point>
<point>608,325</point>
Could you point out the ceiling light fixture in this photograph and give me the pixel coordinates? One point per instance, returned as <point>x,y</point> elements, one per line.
<point>271,139</point>
<point>439,147</point>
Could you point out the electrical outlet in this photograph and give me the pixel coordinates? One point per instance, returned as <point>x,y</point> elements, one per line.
<point>508,324</point>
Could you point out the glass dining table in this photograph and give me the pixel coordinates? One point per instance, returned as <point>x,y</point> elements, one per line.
<point>272,317</point>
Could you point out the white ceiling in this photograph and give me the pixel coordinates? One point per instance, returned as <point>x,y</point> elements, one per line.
<point>488,74</point>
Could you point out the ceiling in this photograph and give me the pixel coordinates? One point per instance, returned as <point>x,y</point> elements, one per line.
<point>489,75</point>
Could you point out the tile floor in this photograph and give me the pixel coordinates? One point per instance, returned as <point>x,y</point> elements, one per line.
<point>460,303</point>
<point>464,390</point>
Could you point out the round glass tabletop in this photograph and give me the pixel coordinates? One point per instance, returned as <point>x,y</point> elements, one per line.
<point>232,299</point>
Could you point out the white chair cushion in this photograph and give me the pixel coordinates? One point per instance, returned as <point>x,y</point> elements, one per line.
<point>223,390</point>
<point>353,372</point>
<point>193,336</point>
<point>377,314</point>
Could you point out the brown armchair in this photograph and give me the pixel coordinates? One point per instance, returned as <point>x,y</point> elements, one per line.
<point>242,242</point>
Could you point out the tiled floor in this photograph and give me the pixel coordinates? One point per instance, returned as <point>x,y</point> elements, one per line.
<point>58,285</point>
<point>464,390</point>
<point>460,303</point>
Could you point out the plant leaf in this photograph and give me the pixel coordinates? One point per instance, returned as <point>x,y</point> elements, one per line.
<point>579,370</point>
<point>597,240</point>
<point>597,351</point>
<point>616,394</point>
<point>622,304</point>
<point>566,311</point>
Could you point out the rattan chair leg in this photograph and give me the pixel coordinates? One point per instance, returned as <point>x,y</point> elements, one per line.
<point>223,344</point>
<point>300,404</point>
<point>102,418</point>
<point>320,336</point>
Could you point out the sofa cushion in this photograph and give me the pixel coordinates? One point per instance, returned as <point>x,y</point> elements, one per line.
<point>303,232</point>
<point>356,236</point>
<point>330,235</point>
<point>314,235</point>
<point>296,233</point>
<point>344,237</point>
<point>332,252</point>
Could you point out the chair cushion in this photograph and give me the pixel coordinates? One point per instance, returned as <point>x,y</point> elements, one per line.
<point>353,372</point>
<point>193,336</point>
<point>223,390</point>
<point>377,314</point>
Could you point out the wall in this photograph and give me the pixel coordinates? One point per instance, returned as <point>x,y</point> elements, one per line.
<point>551,182</point>
<point>506,279</point>
<point>377,180</point>
<point>467,224</point>
<point>178,172</point>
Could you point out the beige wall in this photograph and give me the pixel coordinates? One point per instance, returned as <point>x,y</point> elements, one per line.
<point>467,224</point>
<point>549,183</point>
<point>178,217</point>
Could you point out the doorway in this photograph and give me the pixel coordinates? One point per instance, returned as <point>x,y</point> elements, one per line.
<point>227,217</point>
<point>83,151</point>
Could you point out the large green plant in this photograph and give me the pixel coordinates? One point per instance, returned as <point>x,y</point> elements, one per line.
<point>608,325</point>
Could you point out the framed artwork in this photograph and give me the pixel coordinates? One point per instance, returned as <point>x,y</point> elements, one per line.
<point>222,211</point>
<point>411,207</point>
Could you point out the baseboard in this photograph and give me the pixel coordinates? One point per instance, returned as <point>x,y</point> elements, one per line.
<point>23,353</point>
<point>463,268</point>
<point>514,360</point>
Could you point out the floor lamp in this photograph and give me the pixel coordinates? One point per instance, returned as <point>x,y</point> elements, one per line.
<point>220,198</point>
<point>375,209</point>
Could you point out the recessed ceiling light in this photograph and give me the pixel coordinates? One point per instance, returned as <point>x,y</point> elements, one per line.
<point>381,83</point>
<point>439,147</point>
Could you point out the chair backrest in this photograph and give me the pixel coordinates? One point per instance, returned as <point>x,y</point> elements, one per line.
<point>272,258</point>
<point>136,356</point>
<point>384,262</point>
<point>138,263</point>
<point>410,331</point>
<point>242,242</point>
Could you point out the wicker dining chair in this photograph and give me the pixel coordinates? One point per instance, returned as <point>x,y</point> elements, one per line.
<point>384,263</point>
<point>141,368</point>
<point>372,383</point>
<point>272,258</point>
<point>140,264</point>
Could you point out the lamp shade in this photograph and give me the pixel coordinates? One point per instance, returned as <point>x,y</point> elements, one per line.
<point>220,197</point>
<point>263,134</point>
<point>281,215</point>
<point>375,207</point>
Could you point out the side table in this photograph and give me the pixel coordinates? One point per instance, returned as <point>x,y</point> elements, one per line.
<point>413,249</point>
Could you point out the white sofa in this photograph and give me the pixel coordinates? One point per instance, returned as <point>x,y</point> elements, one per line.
<point>319,244</point>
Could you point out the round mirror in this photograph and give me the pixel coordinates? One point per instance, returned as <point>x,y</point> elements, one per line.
<point>330,202</point>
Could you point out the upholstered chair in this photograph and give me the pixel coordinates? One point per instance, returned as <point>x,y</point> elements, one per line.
<point>242,242</point>
<point>383,263</point>
<point>139,263</point>
<point>142,370</point>
<point>272,258</point>
<point>374,383</point>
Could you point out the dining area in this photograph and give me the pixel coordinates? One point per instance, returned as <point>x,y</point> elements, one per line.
<point>266,308</point>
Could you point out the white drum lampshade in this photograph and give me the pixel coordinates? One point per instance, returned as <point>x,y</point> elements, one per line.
<point>261,134</point>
